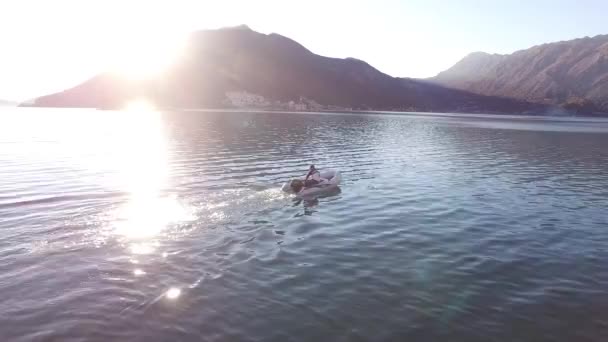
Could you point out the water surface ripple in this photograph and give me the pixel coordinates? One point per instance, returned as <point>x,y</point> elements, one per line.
<point>172,226</point>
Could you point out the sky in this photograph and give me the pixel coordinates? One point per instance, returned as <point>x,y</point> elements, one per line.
<point>48,46</point>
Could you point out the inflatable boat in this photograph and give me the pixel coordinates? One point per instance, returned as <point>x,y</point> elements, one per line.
<point>329,181</point>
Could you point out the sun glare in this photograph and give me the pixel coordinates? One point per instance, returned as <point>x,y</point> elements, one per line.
<point>141,106</point>
<point>147,55</point>
<point>143,168</point>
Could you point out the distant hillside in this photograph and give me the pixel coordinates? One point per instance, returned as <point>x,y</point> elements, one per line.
<point>240,67</point>
<point>4,103</point>
<point>571,73</point>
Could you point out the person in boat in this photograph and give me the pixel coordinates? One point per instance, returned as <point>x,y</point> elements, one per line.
<point>313,177</point>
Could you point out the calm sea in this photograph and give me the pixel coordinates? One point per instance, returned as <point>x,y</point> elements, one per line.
<point>147,226</point>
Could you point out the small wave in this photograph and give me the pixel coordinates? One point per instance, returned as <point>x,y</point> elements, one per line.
<point>59,199</point>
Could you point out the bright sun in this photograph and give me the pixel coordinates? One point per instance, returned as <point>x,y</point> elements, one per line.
<point>147,55</point>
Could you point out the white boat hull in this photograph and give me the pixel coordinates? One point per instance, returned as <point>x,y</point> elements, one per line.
<point>331,180</point>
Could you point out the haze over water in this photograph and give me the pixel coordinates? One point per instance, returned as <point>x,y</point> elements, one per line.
<point>147,226</point>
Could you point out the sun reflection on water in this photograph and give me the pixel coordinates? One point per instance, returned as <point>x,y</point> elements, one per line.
<point>144,167</point>
<point>146,216</point>
<point>138,272</point>
<point>173,293</point>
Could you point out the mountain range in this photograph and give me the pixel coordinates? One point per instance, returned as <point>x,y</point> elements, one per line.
<point>238,67</point>
<point>573,74</point>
